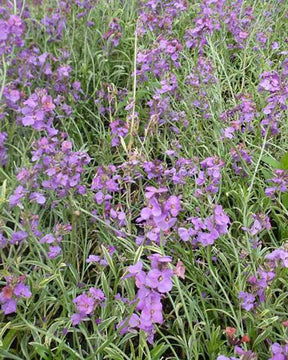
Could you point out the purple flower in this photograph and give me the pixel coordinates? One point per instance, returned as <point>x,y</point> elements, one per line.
<point>54,251</point>
<point>3,154</point>
<point>9,306</point>
<point>152,311</point>
<point>97,294</point>
<point>280,183</point>
<point>3,241</point>
<point>85,304</point>
<point>17,197</point>
<point>48,239</point>
<point>93,259</point>
<point>153,209</point>
<point>137,272</point>
<point>22,290</point>
<point>278,256</point>
<point>18,236</point>
<point>160,280</point>
<point>183,234</point>
<point>152,191</point>
<point>133,322</point>
<point>165,221</point>
<point>77,318</point>
<point>38,197</point>
<point>279,352</point>
<point>159,261</point>
<point>270,81</point>
<point>173,205</point>
<point>248,300</point>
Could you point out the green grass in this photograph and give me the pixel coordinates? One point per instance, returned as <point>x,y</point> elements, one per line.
<point>193,326</point>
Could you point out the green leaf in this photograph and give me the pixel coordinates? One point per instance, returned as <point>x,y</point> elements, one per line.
<point>269,160</point>
<point>158,351</point>
<point>284,162</point>
<point>41,350</point>
<point>284,199</point>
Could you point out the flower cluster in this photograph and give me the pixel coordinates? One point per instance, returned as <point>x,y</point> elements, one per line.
<point>240,160</point>
<point>240,118</point>
<point>160,214</point>
<point>152,287</point>
<point>3,154</point>
<point>209,176</point>
<point>280,183</point>
<point>58,164</point>
<point>12,30</point>
<point>16,238</point>
<point>12,293</point>
<point>261,222</point>
<point>278,257</point>
<point>207,231</point>
<point>54,25</point>
<point>201,79</point>
<point>157,16</point>
<point>53,240</point>
<point>37,111</point>
<point>114,33</point>
<point>279,352</point>
<point>86,303</point>
<point>215,16</point>
<point>118,129</point>
<point>264,275</point>
<point>101,260</point>
<point>275,84</point>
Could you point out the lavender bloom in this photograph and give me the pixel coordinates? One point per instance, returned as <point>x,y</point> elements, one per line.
<point>159,261</point>
<point>206,231</point>
<point>86,304</point>
<point>240,158</point>
<point>164,221</point>
<point>37,110</point>
<point>22,290</point>
<point>241,117</point>
<point>38,198</point>
<point>93,259</point>
<point>161,280</point>
<point>3,154</point>
<point>77,318</point>
<point>248,300</point>
<point>173,205</point>
<point>151,288</point>
<point>280,183</point>
<point>18,195</point>
<point>152,311</point>
<point>18,236</point>
<point>114,33</point>
<point>3,241</point>
<point>278,256</point>
<point>12,31</point>
<point>279,352</point>
<point>261,222</point>
<point>9,306</point>
<point>97,294</point>
<point>54,251</point>
<point>118,129</point>
<point>10,294</point>
<point>275,83</point>
<point>48,239</point>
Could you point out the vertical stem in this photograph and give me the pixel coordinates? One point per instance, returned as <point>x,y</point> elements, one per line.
<point>132,125</point>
